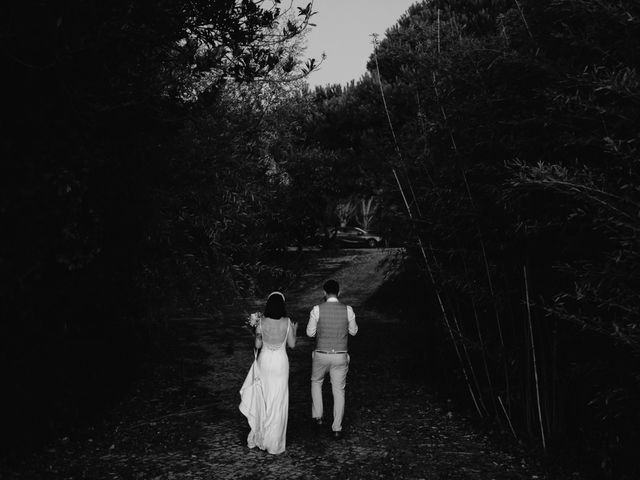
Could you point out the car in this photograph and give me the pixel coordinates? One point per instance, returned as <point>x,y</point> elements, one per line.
<point>355,236</point>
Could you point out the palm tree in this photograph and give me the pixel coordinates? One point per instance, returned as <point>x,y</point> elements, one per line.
<point>366,212</point>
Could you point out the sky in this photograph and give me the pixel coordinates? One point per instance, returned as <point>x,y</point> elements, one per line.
<point>343,32</point>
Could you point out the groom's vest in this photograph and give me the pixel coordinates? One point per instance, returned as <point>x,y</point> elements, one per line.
<point>333,327</point>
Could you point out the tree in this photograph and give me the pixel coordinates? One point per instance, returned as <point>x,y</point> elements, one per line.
<point>100,180</point>
<point>516,156</point>
<point>367,210</point>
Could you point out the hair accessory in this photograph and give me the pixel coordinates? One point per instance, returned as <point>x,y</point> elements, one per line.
<point>277,293</point>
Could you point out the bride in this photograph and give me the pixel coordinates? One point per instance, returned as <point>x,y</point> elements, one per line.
<point>265,392</point>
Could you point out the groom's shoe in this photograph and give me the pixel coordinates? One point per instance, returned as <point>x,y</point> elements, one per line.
<point>318,421</point>
<point>337,435</point>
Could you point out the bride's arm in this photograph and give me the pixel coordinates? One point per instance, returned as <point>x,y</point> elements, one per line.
<point>291,337</point>
<point>258,340</point>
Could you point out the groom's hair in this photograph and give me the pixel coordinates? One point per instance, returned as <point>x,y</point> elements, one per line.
<point>331,287</point>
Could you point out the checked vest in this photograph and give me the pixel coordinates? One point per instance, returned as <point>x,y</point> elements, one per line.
<point>333,327</point>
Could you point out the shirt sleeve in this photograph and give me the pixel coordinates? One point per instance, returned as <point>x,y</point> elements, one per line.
<point>353,326</point>
<point>312,326</point>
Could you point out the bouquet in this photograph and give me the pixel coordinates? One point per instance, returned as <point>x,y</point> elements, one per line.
<point>253,319</point>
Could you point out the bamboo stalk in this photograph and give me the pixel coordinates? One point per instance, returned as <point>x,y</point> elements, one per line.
<point>527,380</point>
<point>423,128</point>
<point>420,244</point>
<point>413,194</point>
<point>468,358</point>
<point>533,353</point>
<point>438,33</point>
<point>470,197</point>
<point>524,19</point>
<point>455,24</point>
<point>553,414</point>
<point>480,236</point>
<point>508,419</point>
<point>393,134</point>
<point>484,357</point>
<point>460,338</point>
<point>453,340</point>
<point>506,36</point>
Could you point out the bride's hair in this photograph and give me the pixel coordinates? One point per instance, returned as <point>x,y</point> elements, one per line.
<point>275,307</point>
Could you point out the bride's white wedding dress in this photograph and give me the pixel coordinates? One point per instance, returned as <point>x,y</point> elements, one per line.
<point>265,392</point>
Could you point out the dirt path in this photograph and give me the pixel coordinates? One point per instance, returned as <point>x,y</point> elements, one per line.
<point>183,421</point>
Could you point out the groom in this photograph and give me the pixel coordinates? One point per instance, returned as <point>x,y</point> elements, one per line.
<point>330,322</point>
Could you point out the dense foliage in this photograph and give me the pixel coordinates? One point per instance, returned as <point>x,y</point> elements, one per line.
<point>517,153</point>
<point>129,191</point>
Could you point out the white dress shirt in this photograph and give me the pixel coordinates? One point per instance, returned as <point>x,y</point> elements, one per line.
<point>312,326</point>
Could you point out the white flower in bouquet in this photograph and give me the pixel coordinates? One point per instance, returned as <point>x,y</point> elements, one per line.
<point>253,319</point>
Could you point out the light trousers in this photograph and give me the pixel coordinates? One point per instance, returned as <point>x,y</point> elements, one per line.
<point>337,365</point>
